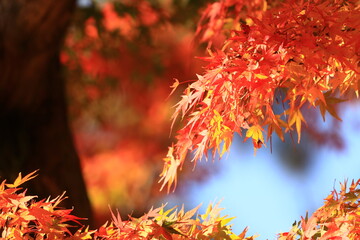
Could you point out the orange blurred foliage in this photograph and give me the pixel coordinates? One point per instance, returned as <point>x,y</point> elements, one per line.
<point>120,66</point>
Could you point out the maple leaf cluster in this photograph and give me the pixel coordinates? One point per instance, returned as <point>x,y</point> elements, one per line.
<point>172,224</point>
<point>220,18</point>
<point>22,217</point>
<point>338,218</point>
<point>296,54</point>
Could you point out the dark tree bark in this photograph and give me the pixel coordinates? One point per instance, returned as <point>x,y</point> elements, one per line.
<point>34,128</point>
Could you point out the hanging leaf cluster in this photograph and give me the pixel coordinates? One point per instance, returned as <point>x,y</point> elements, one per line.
<point>296,54</point>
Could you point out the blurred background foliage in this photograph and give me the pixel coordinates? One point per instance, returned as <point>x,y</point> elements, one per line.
<point>121,57</point>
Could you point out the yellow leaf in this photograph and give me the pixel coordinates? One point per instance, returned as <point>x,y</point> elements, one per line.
<point>169,173</point>
<point>20,180</point>
<point>174,86</point>
<point>261,76</point>
<point>296,118</point>
<point>255,132</point>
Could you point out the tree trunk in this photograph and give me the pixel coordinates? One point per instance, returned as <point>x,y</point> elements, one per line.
<point>34,128</point>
